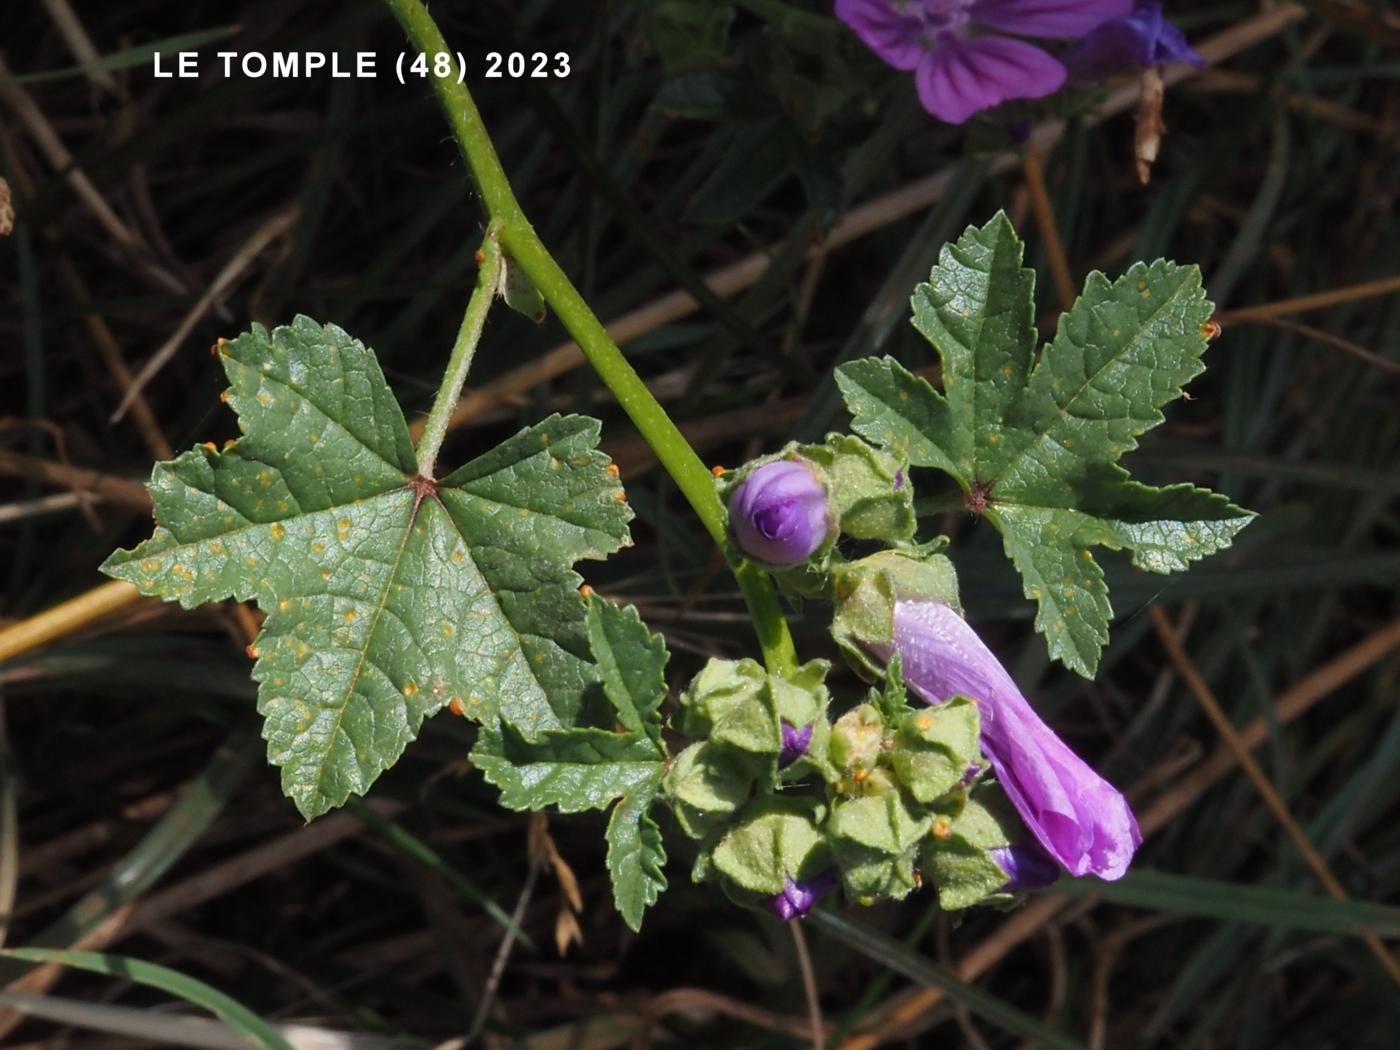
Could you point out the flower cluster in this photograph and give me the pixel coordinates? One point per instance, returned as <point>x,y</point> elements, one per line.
<point>968,55</point>
<point>902,791</point>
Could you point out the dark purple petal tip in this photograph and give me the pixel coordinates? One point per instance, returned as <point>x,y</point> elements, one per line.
<point>795,744</point>
<point>779,513</point>
<point>1142,39</point>
<point>1026,867</point>
<point>798,898</point>
<point>1078,818</point>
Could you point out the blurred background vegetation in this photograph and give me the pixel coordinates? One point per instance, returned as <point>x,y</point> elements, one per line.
<point>758,146</point>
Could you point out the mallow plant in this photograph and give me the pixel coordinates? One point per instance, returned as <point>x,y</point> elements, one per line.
<point>394,588</point>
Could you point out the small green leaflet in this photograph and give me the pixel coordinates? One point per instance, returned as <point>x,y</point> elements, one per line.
<point>1035,444</point>
<point>585,768</point>
<point>387,596</point>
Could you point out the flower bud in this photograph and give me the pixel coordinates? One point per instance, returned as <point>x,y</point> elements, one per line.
<point>798,898</point>
<point>795,743</point>
<point>857,739</point>
<point>779,513</point>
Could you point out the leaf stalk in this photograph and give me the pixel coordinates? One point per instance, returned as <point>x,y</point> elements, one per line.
<point>523,247</point>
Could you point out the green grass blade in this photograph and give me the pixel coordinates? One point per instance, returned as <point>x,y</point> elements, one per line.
<point>1211,898</point>
<point>234,1014</point>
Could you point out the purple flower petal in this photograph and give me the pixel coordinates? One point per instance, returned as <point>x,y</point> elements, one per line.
<point>795,743</point>
<point>779,513</point>
<point>1135,41</point>
<point>1058,19</point>
<point>798,898</point>
<point>893,31</point>
<point>1026,867</point>
<point>1080,819</point>
<point>962,77</point>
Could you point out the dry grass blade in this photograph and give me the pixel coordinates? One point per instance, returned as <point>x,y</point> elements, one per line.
<point>268,231</point>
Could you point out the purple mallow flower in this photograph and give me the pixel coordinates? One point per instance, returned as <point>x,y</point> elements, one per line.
<point>798,898</point>
<point>1081,820</point>
<point>1139,40</point>
<point>779,513</point>
<point>1026,867</point>
<point>959,69</point>
<point>795,743</point>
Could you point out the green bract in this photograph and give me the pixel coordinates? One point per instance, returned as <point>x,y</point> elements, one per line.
<point>387,596</point>
<point>1034,444</point>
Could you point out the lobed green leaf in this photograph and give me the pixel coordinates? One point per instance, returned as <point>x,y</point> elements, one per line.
<point>388,596</point>
<point>1035,444</point>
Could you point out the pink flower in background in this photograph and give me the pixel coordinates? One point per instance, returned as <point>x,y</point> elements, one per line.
<point>965,55</point>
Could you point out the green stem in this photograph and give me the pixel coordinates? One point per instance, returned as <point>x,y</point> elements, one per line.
<point>524,248</point>
<point>488,280</point>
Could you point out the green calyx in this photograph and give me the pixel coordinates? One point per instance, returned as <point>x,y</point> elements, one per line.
<point>868,488</point>
<point>956,854</point>
<point>774,839</point>
<point>865,592</point>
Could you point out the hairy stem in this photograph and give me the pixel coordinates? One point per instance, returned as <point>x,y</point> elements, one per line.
<point>488,280</point>
<point>523,247</point>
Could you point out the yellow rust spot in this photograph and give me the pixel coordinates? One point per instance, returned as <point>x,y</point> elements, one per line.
<point>524,512</point>
<point>264,478</point>
<point>278,531</point>
<point>219,347</point>
<point>264,398</point>
<point>942,828</point>
<point>717,470</point>
<point>620,496</point>
<point>250,561</point>
<point>455,706</point>
<point>448,630</point>
<point>458,556</point>
<point>585,591</point>
<point>859,775</point>
<point>252,652</point>
<point>317,548</point>
<point>409,689</point>
<point>924,723</point>
<point>342,527</point>
<point>904,395</point>
<point>210,446</point>
<point>223,395</point>
<point>614,472</point>
<point>350,615</point>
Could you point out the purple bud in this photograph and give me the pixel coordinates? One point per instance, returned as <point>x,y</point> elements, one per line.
<point>899,481</point>
<point>798,898</point>
<point>1081,820</point>
<point>1141,39</point>
<point>1026,867</point>
<point>779,513</point>
<point>795,742</point>
<point>971,774</point>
